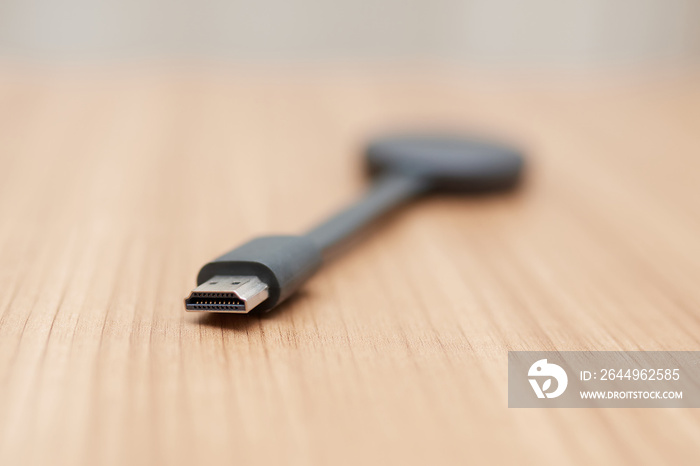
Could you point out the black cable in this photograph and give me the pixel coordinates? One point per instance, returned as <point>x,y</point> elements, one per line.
<point>265,271</point>
<point>387,193</point>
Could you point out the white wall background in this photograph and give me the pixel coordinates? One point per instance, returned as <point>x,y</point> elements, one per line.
<point>586,33</point>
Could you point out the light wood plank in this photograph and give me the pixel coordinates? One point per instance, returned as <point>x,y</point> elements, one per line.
<point>118,186</point>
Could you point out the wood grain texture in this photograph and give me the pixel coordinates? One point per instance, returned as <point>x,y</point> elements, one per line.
<point>117,186</point>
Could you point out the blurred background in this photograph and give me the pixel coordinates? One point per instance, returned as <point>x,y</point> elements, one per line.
<point>504,33</point>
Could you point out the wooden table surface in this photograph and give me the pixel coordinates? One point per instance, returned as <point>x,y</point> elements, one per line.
<point>118,185</point>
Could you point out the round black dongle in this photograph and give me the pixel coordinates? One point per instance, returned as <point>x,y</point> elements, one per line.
<point>446,162</point>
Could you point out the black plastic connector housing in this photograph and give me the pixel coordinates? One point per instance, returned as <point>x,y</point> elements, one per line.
<point>284,263</point>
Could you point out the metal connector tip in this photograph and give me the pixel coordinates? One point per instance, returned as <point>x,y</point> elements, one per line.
<point>223,293</point>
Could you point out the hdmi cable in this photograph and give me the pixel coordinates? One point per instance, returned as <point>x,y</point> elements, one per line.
<point>265,271</point>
